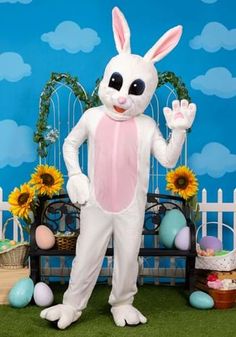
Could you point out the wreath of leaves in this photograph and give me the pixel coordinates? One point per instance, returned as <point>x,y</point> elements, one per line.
<point>176,82</point>
<point>88,101</point>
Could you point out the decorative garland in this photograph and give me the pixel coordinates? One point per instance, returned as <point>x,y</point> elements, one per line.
<point>176,82</point>
<point>44,136</point>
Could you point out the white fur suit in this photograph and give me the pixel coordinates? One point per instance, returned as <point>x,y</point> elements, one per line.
<point>113,196</point>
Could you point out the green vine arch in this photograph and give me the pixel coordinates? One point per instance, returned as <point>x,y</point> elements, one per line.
<point>88,101</point>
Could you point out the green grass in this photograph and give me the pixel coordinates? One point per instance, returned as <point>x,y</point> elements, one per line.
<point>166,308</point>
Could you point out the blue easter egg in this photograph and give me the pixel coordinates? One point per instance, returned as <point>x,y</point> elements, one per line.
<point>21,293</point>
<point>171,224</point>
<point>201,300</point>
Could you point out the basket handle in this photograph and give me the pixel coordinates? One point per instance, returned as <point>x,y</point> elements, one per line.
<point>212,222</point>
<point>15,220</point>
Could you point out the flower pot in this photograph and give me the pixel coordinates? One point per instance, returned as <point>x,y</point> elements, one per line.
<point>223,299</point>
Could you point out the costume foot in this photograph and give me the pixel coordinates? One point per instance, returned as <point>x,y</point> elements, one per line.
<point>127,315</point>
<point>64,313</point>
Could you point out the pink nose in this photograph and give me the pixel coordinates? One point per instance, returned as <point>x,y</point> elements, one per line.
<point>122,100</point>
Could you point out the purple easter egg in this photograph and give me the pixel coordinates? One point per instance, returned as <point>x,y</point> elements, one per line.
<point>182,239</point>
<point>210,242</point>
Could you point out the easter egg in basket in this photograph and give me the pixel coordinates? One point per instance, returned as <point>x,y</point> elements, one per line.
<point>210,242</point>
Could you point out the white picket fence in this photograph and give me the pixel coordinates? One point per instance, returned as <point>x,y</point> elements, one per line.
<point>211,212</point>
<point>220,207</point>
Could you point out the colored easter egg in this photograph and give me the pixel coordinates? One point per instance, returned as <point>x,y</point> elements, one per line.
<point>183,239</point>
<point>44,237</point>
<point>171,224</point>
<point>4,247</point>
<point>43,295</point>
<point>21,293</point>
<point>210,242</point>
<point>201,300</point>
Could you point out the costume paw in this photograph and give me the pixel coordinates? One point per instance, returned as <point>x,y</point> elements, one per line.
<point>181,116</point>
<point>78,188</point>
<point>127,315</point>
<point>64,313</point>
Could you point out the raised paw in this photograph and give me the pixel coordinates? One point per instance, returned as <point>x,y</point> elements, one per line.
<point>127,315</point>
<point>63,313</point>
<point>181,116</point>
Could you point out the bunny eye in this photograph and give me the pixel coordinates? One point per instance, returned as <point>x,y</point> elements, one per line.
<point>116,81</point>
<point>137,87</point>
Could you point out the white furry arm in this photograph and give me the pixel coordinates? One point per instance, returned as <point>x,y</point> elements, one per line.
<point>71,146</point>
<point>78,183</point>
<point>167,153</point>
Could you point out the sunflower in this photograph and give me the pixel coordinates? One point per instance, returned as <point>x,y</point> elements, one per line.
<point>21,200</point>
<point>182,181</point>
<point>47,180</point>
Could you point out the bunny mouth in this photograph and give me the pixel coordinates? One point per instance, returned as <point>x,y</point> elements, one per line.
<point>118,109</point>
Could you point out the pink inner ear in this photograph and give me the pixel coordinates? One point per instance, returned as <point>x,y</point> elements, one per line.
<point>119,29</point>
<point>167,43</point>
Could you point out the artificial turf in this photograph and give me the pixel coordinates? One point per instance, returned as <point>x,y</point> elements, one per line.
<point>167,310</point>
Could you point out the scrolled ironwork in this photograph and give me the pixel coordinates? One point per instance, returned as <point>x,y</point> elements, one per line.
<point>61,211</point>
<point>155,212</point>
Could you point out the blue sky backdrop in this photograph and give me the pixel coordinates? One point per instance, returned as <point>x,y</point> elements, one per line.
<point>38,37</point>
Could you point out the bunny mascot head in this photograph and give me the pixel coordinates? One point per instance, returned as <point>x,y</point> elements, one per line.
<point>113,196</point>
<point>130,80</point>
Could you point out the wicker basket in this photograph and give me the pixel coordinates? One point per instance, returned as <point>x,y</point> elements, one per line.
<point>225,262</point>
<point>15,256</point>
<point>223,299</point>
<point>66,242</point>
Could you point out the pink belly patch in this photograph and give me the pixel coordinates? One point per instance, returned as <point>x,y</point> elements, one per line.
<point>115,166</point>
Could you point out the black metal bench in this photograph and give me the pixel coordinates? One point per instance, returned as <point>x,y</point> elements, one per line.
<point>51,211</point>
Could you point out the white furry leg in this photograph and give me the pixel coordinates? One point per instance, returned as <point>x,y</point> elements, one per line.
<point>64,313</point>
<point>127,315</point>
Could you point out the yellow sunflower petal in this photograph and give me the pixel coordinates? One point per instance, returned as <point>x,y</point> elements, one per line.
<point>20,200</point>
<point>47,180</point>
<point>182,181</point>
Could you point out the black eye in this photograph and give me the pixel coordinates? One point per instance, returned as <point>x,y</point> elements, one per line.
<point>116,81</point>
<point>137,87</point>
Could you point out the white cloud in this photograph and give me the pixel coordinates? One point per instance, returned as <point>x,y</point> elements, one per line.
<point>24,2</point>
<point>17,146</point>
<point>217,81</point>
<point>215,160</point>
<point>213,37</point>
<point>69,36</point>
<point>12,67</point>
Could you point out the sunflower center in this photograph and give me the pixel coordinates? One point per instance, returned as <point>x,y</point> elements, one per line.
<point>23,198</point>
<point>47,179</point>
<point>181,182</point>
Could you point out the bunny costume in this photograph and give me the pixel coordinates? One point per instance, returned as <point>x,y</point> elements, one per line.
<point>113,196</point>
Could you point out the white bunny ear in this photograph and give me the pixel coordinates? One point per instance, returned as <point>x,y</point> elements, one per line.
<point>121,31</point>
<point>164,45</point>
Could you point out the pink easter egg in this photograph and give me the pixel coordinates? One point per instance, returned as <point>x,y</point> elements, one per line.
<point>44,237</point>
